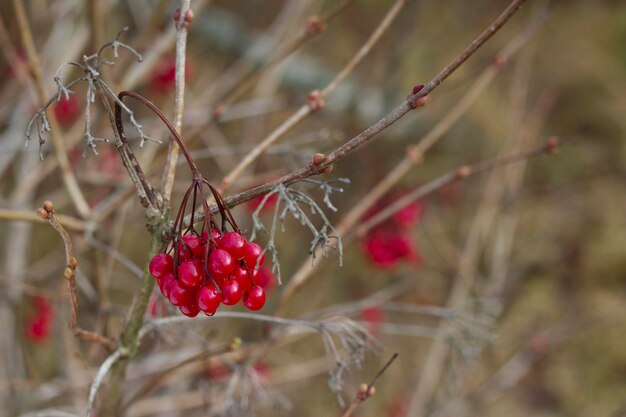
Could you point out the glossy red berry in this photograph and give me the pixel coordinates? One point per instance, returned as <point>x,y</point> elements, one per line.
<point>166,284</point>
<point>255,298</point>
<point>221,263</point>
<point>244,278</point>
<point>179,295</point>
<point>192,244</point>
<point>190,310</point>
<point>161,264</point>
<point>231,291</point>
<point>189,275</point>
<point>253,251</point>
<point>264,278</point>
<point>209,299</point>
<point>233,243</point>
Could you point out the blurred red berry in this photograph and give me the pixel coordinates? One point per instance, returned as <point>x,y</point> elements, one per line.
<point>163,78</point>
<point>373,316</point>
<point>66,110</point>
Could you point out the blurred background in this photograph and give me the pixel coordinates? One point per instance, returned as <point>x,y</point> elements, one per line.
<point>503,293</point>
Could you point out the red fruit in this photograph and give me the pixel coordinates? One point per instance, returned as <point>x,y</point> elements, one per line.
<point>38,329</point>
<point>231,291</point>
<point>66,110</point>
<point>209,299</point>
<point>409,215</point>
<point>255,298</point>
<point>189,275</point>
<point>235,244</point>
<point>180,295</point>
<point>193,244</point>
<point>373,316</point>
<point>161,264</point>
<point>378,251</point>
<point>166,284</point>
<point>221,264</point>
<point>253,251</point>
<point>264,278</point>
<point>190,310</point>
<point>243,278</point>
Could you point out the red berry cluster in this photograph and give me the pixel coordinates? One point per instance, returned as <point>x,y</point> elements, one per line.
<point>209,271</point>
<point>390,242</point>
<point>206,261</point>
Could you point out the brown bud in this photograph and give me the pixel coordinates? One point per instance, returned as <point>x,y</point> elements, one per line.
<point>418,102</point>
<point>314,25</point>
<point>415,155</point>
<point>371,391</point>
<point>328,169</point>
<point>315,100</point>
<point>553,145</point>
<point>73,263</point>
<point>499,61</point>
<point>48,206</point>
<point>43,214</point>
<point>68,273</point>
<point>318,158</point>
<point>463,171</point>
<point>363,389</point>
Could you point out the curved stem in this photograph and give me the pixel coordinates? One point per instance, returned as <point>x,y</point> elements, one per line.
<point>159,113</point>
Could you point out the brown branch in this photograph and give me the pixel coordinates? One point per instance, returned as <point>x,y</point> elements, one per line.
<point>315,100</point>
<point>458,174</point>
<point>315,26</point>
<point>46,212</point>
<point>185,16</point>
<point>469,50</point>
<point>70,222</point>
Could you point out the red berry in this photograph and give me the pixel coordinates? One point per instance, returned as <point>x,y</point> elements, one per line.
<point>231,291</point>
<point>180,295</point>
<point>189,275</point>
<point>209,299</point>
<point>190,310</point>
<point>193,244</point>
<point>243,278</point>
<point>161,264</point>
<point>66,109</point>
<point>253,251</point>
<point>233,243</point>
<point>255,298</point>
<point>264,278</point>
<point>221,264</point>
<point>166,284</point>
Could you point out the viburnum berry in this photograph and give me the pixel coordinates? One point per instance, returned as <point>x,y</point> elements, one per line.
<point>253,251</point>
<point>179,295</point>
<point>190,309</point>
<point>231,291</point>
<point>160,265</point>
<point>235,244</point>
<point>209,299</point>
<point>243,277</point>
<point>192,245</point>
<point>221,263</point>
<point>254,299</point>
<point>189,275</point>
<point>264,278</point>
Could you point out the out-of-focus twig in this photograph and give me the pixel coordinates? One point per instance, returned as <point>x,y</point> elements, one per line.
<point>46,212</point>
<point>315,100</point>
<point>185,16</point>
<point>34,63</point>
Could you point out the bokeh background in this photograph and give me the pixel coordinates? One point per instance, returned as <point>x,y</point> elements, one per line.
<point>545,254</point>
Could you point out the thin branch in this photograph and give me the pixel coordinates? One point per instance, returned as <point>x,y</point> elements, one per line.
<point>315,101</point>
<point>46,212</point>
<point>169,172</point>
<point>69,222</point>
